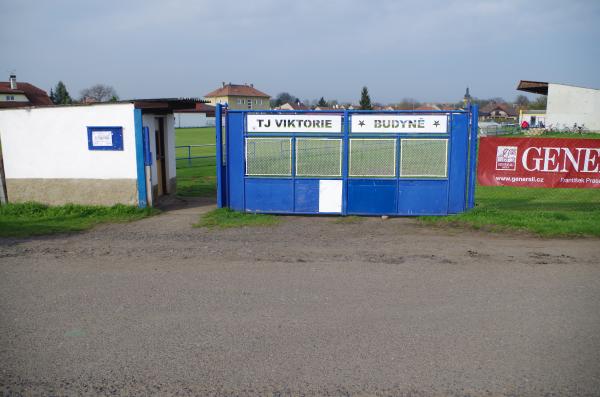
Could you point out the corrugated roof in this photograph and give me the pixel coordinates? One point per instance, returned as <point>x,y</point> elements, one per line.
<point>237,90</point>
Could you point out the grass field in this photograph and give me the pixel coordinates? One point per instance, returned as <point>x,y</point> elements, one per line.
<point>546,212</point>
<point>30,219</point>
<point>198,176</point>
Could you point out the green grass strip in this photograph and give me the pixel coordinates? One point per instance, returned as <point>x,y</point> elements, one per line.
<point>32,219</point>
<point>225,218</point>
<point>545,212</point>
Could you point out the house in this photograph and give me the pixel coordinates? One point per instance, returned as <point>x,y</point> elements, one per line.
<point>428,107</point>
<point>567,105</point>
<point>293,106</point>
<point>239,96</point>
<point>202,115</point>
<point>15,94</point>
<point>498,111</point>
<point>534,117</point>
<point>93,154</point>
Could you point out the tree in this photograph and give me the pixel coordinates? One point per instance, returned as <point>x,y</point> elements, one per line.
<point>282,98</point>
<point>60,95</point>
<point>99,93</point>
<point>522,101</point>
<point>365,99</point>
<point>539,103</point>
<point>408,104</point>
<point>322,102</point>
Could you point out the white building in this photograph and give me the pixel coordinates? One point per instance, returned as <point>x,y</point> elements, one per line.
<point>102,154</point>
<point>567,105</point>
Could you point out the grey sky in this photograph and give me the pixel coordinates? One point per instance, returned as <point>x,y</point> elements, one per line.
<point>428,50</point>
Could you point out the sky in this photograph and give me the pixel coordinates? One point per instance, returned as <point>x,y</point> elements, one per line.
<point>428,50</point>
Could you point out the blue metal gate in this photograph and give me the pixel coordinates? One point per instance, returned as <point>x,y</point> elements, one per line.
<point>347,162</point>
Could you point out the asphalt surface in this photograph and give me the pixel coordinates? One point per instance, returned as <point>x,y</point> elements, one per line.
<point>309,307</point>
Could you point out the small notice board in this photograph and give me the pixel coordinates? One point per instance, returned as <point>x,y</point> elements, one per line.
<point>105,138</point>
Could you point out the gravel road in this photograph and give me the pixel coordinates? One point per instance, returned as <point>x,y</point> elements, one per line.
<point>312,306</point>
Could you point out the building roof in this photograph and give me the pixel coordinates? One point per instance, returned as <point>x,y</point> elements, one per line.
<point>200,107</point>
<point>490,107</point>
<point>237,90</point>
<point>294,106</point>
<point>536,87</point>
<point>428,107</point>
<point>35,95</point>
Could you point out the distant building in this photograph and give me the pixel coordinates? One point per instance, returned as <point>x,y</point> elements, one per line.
<point>239,96</point>
<point>427,107</point>
<point>498,111</point>
<point>293,106</point>
<point>202,115</point>
<point>15,94</point>
<point>567,105</point>
<point>535,118</point>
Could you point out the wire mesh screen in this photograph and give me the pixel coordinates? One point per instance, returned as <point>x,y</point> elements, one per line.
<point>318,157</point>
<point>424,158</point>
<point>269,156</point>
<point>373,157</point>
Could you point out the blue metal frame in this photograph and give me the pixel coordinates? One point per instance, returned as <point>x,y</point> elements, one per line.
<point>139,157</point>
<point>117,138</point>
<point>473,140</point>
<point>396,195</point>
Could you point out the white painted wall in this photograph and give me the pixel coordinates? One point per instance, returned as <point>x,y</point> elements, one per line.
<point>188,120</point>
<point>52,142</point>
<point>568,105</point>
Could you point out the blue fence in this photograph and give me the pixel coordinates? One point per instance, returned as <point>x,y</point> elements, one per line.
<point>346,163</point>
<point>188,150</point>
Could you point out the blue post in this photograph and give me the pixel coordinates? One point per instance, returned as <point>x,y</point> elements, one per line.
<point>189,155</point>
<point>474,110</point>
<point>345,154</point>
<point>219,148</point>
<point>139,157</point>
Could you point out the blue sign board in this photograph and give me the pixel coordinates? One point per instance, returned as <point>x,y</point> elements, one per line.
<point>105,138</point>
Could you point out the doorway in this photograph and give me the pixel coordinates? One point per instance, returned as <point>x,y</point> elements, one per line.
<point>161,167</point>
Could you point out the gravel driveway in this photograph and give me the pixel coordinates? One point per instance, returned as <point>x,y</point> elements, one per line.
<point>312,306</point>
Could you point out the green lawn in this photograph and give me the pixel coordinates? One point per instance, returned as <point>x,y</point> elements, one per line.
<point>30,219</point>
<point>546,212</point>
<point>198,176</point>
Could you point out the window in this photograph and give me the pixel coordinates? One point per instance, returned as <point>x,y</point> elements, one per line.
<point>10,97</point>
<point>426,158</point>
<point>318,157</point>
<point>249,103</point>
<point>269,156</point>
<point>372,157</point>
<point>240,101</point>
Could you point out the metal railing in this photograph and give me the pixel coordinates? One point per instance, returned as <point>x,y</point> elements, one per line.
<point>191,157</point>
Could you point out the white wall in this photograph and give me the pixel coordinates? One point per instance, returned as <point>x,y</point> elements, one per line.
<point>52,142</point>
<point>568,105</point>
<point>187,120</point>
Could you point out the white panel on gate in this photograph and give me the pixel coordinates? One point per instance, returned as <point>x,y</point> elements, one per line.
<point>322,123</point>
<point>391,123</point>
<point>330,196</point>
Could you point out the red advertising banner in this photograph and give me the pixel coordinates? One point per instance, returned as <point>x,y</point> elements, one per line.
<point>539,162</point>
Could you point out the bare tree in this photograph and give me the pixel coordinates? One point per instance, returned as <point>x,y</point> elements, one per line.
<point>99,93</point>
